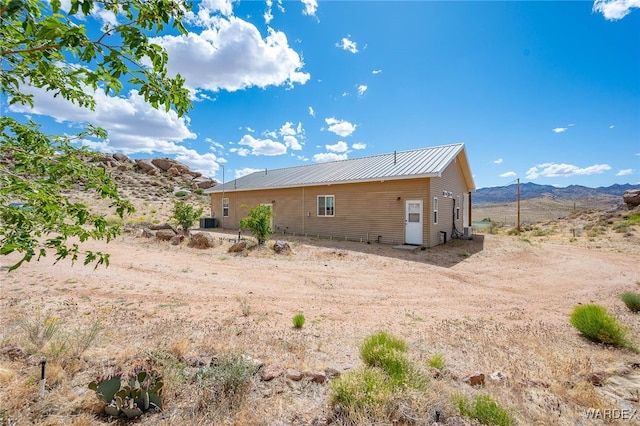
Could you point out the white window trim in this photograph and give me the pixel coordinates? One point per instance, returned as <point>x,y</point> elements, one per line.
<point>435,210</point>
<point>318,205</point>
<point>458,204</point>
<point>227,204</point>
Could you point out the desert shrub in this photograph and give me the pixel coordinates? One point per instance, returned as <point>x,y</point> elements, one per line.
<point>437,362</point>
<point>484,409</point>
<point>388,353</point>
<point>258,222</point>
<point>595,323</point>
<point>199,191</point>
<point>227,377</point>
<point>298,320</point>
<point>185,214</point>
<point>39,330</point>
<point>632,300</point>
<point>364,390</point>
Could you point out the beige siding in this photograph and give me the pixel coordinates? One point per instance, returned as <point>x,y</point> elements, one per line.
<point>451,181</point>
<point>362,210</point>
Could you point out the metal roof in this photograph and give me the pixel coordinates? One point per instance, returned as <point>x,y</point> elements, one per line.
<point>424,162</point>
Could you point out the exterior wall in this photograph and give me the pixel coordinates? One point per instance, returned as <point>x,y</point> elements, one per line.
<point>362,210</point>
<point>451,181</point>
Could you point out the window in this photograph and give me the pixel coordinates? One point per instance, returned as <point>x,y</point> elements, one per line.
<point>435,210</point>
<point>459,201</point>
<point>225,207</point>
<point>326,205</point>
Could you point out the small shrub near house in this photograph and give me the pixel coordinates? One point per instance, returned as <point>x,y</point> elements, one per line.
<point>596,324</point>
<point>298,320</point>
<point>632,300</point>
<point>258,222</point>
<point>185,215</point>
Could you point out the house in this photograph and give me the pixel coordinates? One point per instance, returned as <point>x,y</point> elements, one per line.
<point>419,197</point>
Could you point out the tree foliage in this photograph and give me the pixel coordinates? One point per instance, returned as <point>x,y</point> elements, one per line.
<point>185,214</point>
<point>258,222</point>
<point>43,46</point>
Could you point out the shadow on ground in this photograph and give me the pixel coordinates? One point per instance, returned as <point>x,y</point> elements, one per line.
<point>445,255</point>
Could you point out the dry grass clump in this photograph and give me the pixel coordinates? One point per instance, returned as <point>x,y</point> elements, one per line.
<point>632,300</point>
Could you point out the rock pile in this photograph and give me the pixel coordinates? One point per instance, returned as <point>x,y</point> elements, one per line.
<point>167,167</point>
<point>632,198</point>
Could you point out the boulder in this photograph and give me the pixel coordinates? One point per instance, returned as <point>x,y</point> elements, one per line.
<point>121,158</point>
<point>165,164</point>
<point>163,226</point>
<point>202,241</point>
<point>165,234</point>
<point>281,247</point>
<point>176,240</point>
<point>238,247</point>
<point>270,372</point>
<point>147,166</point>
<point>474,379</point>
<point>293,374</point>
<point>203,183</point>
<point>317,376</point>
<point>632,198</point>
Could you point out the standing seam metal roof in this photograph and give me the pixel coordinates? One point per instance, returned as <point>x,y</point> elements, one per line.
<point>424,162</point>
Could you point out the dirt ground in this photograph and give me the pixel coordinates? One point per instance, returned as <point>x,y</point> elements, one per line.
<point>457,299</point>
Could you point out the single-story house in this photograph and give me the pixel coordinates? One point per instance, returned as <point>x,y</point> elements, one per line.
<point>420,197</point>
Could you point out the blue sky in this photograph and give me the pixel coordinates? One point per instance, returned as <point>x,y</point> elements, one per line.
<point>544,91</point>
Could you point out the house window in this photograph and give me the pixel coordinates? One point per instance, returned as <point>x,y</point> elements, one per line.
<point>326,205</point>
<point>435,210</point>
<point>458,207</point>
<point>225,207</point>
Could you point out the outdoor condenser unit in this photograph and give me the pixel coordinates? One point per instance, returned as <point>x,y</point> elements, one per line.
<point>468,233</point>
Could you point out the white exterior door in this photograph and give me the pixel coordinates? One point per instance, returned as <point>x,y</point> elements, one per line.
<point>413,222</point>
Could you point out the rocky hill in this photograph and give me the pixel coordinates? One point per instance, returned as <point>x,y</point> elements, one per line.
<point>152,185</point>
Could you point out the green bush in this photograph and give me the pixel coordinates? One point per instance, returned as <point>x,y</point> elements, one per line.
<point>258,222</point>
<point>181,194</point>
<point>484,409</point>
<point>298,320</point>
<point>388,353</point>
<point>595,323</point>
<point>632,300</point>
<point>437,362</point>
<point>185,214</point>
<point>364,390</point>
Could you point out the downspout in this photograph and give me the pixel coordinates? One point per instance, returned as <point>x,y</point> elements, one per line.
<point>303,212</point>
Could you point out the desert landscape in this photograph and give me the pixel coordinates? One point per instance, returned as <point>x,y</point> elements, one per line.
<point>495,307</point>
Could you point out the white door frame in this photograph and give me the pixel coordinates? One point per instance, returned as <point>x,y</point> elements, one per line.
<point>413,224</point>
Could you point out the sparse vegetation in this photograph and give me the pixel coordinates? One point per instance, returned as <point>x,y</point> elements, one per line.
<point>632,300</point>
<point>484,409</point>
<point>360,393</point>
<point>437,362</point>
<point>185,215</point>
<point>298,320</point>
<point>595,323</point>
<point>258,222</point>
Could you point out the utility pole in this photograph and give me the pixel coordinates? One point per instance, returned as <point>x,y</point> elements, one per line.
<point>518,225</point>
<point>222,201</point>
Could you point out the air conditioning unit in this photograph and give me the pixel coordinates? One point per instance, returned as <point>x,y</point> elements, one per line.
<point>467,233</point>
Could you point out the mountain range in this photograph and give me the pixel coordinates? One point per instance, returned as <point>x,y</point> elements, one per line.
<point>506,194</point>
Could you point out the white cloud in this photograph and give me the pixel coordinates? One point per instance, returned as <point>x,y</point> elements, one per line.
<point>338,147</point>
<point>508,174</point>
<point>376,71</point>
<point>268,16</point>
<point>348,45</point>
<point>340,127</point>
<point>208,12</point>
<point>329,156</point>
<point>625,172</point>
<point>310,7</point>
<point>614,10</point>
<point>242,152</point>
<point>291,135</point>
<point>498,161</point>
<point>361,89</point>
<point>263,146</point>
<point>232,55</point>
<point>238,173</point>
<point>559,129</point>
<point>564,170</point>
<point>359,145</point>
<point>312,112</point>
<point>612,126</point>
<point>132,125</point>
